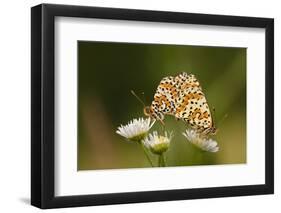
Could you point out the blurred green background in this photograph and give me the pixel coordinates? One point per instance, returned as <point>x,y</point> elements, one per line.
<point>107,71</point>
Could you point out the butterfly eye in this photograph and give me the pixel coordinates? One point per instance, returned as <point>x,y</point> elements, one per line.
<point>146,111</point>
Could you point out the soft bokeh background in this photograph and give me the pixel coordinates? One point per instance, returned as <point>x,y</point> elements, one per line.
<point>108,71</point>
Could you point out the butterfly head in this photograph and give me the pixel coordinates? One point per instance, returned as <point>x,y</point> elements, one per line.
<point>213,130</point>
<point>210,131</point>
<point>147,111</point>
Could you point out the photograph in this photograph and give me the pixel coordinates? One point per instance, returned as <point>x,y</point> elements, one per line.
<point>138,105</point>
<point>144,105</point>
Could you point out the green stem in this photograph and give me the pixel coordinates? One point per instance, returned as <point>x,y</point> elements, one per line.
<point>164,160</point>
<point>161,160</point>
<point>146,154</point>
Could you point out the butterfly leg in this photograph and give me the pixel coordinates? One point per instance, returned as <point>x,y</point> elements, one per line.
<point>160,117</point>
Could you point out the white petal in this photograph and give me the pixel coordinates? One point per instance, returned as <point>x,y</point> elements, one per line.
<point>206,144</point>
<point>134,128</point>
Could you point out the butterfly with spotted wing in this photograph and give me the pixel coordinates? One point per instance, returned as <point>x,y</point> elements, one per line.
<point>182,97</point>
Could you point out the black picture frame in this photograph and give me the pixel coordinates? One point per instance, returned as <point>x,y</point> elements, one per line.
<point>43,102</point>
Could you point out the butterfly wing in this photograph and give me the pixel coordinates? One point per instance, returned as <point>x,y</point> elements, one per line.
<point>182,96</point>
<point>192,106</point>
<point>164,101</point>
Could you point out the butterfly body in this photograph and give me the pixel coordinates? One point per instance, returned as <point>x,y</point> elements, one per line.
<point>182,97</point>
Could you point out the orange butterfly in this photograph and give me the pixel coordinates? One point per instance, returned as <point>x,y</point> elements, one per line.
<point>182,97</point>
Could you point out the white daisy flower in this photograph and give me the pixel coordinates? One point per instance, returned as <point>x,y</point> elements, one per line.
<point>206,144</point>
<point>157,143</point>
<point>136,130</point>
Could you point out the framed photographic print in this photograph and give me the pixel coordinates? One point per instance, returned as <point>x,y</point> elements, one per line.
<point>140,106</point>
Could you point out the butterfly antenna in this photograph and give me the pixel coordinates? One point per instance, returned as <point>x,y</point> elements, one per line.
<point>134,94</point>
<point>144,99</point>
<point>223,119</point>
<point>214,115</point>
